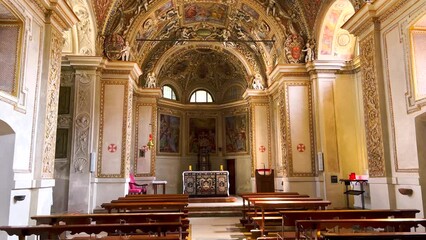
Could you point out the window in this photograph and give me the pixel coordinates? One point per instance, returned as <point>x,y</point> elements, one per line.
<point>168,93</point>
<point>201,96</point>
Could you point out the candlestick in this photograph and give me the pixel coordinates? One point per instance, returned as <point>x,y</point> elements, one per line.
<point>221,167</point>
<point>190,167</point>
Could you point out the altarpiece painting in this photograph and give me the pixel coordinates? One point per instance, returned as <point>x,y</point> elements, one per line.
<point>236,140</point>
<point>202,135</point>
<point>169,134</point>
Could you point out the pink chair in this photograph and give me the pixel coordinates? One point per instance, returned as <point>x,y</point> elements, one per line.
<point>135,188</point>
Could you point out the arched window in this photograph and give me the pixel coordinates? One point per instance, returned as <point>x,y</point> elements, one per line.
<point>201,96</point>
<point>168,92</point>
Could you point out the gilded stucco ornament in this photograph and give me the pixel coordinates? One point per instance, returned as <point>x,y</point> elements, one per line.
<point>375,147</point>
<point>52,98</point>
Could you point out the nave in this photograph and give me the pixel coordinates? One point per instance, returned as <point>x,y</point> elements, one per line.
<point>260,216</point>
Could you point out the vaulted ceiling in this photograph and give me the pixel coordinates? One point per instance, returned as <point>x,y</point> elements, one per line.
<point>182,41</point>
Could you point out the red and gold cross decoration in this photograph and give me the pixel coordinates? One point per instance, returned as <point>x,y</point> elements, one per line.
<point>262,148</point>
<point>112,148</point>
<point>300,147</point>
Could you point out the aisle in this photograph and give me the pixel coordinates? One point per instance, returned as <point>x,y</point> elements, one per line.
<point>217,228</point>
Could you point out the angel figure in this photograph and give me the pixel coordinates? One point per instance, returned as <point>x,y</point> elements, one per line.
<point>125,52</point>
<point>151,81</point>
<point>257,82</point>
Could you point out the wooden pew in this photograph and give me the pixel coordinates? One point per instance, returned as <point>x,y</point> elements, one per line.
<point>289,217</point>
<point>178,199</point>
<point>264,206</point>
<point>145,206</point>
<point>246,197</point>
<point>155,195</point>
<point>53,231</point>
<point>102,218</point>
<point>375,236</point>
<point>272,215</point>
<point>118,218</point>
<point>397,224</point>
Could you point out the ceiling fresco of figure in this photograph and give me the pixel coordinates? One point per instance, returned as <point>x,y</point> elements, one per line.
<point>248,36</point>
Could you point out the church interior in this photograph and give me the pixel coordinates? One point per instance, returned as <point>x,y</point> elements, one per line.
<point>95,94</point>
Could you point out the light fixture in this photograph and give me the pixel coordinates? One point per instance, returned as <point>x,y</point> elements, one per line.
<point>150,143</point>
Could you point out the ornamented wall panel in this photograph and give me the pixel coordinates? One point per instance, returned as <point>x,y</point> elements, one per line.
<point>112,139</point>
<point>10,46</point>
<point>261,136</point>
<point>300,130</point>
<point>144,158</point>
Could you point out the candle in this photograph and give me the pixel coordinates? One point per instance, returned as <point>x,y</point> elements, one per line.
<point>190,167</point>
<point>221,167</point>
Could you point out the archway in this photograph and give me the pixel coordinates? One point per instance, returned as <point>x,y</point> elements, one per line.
<point>7,149</point>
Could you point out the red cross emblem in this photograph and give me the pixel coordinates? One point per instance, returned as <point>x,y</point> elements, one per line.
<point>112,148</point>
<point>262,148</point>
<point>300,147</point>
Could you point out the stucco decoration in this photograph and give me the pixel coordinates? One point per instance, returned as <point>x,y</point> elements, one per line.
<point>85,27</point>
<point>373,125</point>
<point>283,126</point>
<point>52,96</point>
<point>293,48</point>
<point>82,123</point>
<point>219,69</point>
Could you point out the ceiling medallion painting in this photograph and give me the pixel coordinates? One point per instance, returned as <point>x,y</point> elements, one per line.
<point>205,12</point>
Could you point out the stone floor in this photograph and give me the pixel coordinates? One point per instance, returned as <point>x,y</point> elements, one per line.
<point>217,228</point>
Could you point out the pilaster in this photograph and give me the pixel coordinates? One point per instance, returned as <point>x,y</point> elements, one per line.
<point>260,122</point>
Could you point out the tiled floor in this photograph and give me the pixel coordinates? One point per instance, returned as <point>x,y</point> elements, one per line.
<point>217,228</point>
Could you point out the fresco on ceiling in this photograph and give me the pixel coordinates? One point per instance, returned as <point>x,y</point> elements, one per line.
<point>167,6</point>
<point>311,9</point>
<point>328,33</point>
<point>246,8</point>
<point>101,8</point>
<point>205,12</point>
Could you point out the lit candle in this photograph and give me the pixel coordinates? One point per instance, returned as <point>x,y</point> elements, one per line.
<point>190,167</point>
<point>221,167</point>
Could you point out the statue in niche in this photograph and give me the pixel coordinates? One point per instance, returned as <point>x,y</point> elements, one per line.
<point>151,80</point>
<point>257,82</point>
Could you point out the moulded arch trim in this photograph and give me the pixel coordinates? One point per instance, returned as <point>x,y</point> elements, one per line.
<point>335,43</point>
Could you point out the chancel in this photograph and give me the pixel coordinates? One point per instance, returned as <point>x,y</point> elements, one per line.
<point>211,99</point>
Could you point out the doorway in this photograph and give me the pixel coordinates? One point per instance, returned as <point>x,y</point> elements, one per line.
<point>230,166</point>
<point>7,149</point>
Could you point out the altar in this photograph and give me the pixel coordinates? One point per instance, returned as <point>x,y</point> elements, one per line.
<point>206,183</point>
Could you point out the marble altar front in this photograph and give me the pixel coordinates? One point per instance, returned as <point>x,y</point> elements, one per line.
<point>206,183</point>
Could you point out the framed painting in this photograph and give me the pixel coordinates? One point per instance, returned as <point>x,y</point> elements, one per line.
<point>236,138</point>
<point>169,134</point>
<point>202,135</point>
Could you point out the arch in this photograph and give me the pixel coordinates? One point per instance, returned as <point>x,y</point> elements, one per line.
<point>7,149</point>
<point>420,123</point>
<point>335,43</point>
<point>201,94</point>
<point>81,39</point>
<point>170,91</point>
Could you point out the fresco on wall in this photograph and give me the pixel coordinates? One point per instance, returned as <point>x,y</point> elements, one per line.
<point>169,134</point>
<point>205,12</point>
<point>236,140</point>
<point>202,134</point>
